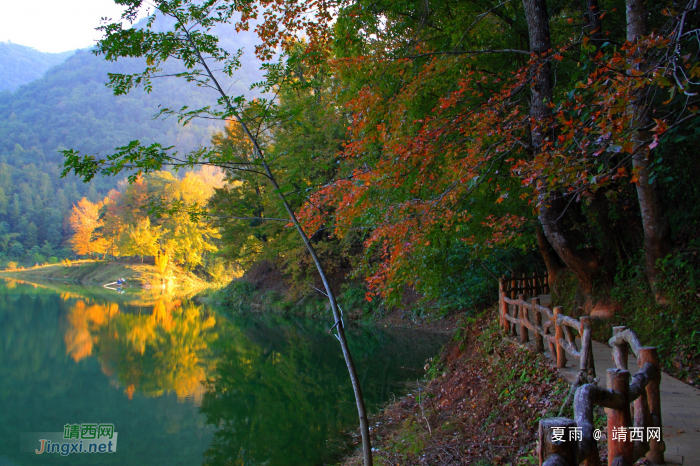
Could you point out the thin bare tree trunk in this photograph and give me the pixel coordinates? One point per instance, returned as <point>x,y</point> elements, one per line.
<point>339,325</point>
<point>657,231</point>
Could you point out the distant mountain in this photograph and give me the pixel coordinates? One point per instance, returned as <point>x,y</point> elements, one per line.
<point>21,65</point>
<point>70,107</point>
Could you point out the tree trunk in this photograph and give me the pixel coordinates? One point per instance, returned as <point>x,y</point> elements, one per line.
<point>657,231</point>
<point>595,24</point>
<point>551,259</point>
<point>552,209</point>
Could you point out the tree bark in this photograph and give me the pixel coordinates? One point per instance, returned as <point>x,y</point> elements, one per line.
<point>657,231</point>
<point>551,259</point>
<point>552,209</point>
<point>608,239</point>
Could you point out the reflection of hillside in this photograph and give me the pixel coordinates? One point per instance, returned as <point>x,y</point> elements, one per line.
<point>134,297</point>
<point>162,351</point>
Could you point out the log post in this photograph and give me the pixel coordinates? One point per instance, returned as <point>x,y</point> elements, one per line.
<point>620,448</point>
<point>539,340</point>
<point>502,303</point>
<point>641,420</point>
<point>558,336</point>
<point>549,445</point>
<point>620,353</point>
<point>587,363</point>
<point>523,316</point>
<point>513,286</point>
<point>535,284</point>
<point>653,395</point>
<point>513,326</point>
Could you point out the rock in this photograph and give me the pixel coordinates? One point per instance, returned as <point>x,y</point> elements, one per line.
<point>603,311</point>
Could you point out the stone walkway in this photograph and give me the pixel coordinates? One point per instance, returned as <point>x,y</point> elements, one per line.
<point>680,402</point>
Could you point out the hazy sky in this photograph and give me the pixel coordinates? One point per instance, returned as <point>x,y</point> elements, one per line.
<point>54,25</point>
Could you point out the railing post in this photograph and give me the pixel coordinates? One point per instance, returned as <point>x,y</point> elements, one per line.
<point>619,421</point>
<point>501,302</point>
<point>563,450</point>
<point>539,340</point>
<point>620,352</point>
<point>587,363</point>
<point>513,330</point>
<point>656,447</point>
<point>523,315</point>
<point>558,336</point>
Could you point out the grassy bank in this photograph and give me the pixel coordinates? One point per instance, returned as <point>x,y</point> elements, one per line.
<point>479,404</point>
<point>98,273</point>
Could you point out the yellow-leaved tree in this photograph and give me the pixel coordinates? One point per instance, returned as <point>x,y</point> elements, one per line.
<point>86,225</point>
<point>141,239</point>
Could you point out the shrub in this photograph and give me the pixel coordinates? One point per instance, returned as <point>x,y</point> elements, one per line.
<point>12,265</point>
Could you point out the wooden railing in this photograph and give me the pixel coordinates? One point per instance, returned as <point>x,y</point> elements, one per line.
<point>534,285</point>
<point>514,314</point>
<point>642,391</point>
<point>637,434</point>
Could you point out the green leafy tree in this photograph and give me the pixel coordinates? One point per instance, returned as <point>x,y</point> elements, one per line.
<point>192,40</point>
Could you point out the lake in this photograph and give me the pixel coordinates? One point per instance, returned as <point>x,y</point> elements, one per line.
<point>186,383</point>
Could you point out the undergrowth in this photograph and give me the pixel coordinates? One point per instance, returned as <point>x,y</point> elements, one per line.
<point>240,296</point>
<point>479,403</point>
<point>673,328</point>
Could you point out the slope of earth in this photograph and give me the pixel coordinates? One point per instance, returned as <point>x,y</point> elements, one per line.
<point>480,404</point>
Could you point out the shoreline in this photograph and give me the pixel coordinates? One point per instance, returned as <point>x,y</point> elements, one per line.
<point>98,273</point>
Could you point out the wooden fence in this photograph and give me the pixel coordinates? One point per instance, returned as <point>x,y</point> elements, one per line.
<point>631,434</point>
<point>624,426</point>
<point>549,325</point>
<point>534,285</point>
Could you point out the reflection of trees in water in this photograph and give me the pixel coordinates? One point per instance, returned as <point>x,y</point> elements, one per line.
<point>164,351</point>
<point>281,395</point>
<point>42,388</point>
<point>275,390</point>
<point>277,397</point>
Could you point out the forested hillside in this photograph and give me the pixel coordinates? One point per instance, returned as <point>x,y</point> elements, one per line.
<point>20,65</point>
<point>70,107</point>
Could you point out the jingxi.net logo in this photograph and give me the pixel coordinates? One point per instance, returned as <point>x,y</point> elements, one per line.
<point>75,438</point>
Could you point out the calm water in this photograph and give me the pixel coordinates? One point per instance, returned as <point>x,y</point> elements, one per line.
<point>182,383</point>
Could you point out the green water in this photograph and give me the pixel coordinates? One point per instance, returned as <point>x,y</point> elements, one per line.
<point>184,383</point>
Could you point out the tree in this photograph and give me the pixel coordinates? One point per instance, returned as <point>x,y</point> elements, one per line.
<point>141,239</point>
<point>85,223</point>
<point>191,40</point>
<point>657,230</point>
<point>162,260</point>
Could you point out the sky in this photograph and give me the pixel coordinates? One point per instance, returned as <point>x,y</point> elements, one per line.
<point>54,25</point>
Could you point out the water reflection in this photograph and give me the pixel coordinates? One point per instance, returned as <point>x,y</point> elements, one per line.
<point>188,385</point>
<point>165,351</point>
